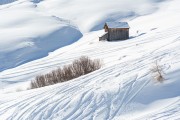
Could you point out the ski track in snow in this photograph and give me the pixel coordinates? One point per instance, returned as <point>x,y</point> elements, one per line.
<point>85,97</point>
<point>122,90</point>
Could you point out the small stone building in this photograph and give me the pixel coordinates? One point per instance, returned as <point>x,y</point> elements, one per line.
<point>115,31</point>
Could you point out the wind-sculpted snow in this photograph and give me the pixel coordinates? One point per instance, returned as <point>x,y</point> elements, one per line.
<point>90,15</point>
<point>31,35</point>
<point>30,29</point>
<point>36,47</point>
<point>2,2</point>
<point>124,89</point>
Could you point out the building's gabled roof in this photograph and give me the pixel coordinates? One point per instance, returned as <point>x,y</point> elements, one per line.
<point>117,25</point>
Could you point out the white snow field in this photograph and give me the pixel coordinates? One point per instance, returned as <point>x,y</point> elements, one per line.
<point>28,34</point>
<point>30,29</point>
<point>124,89</point>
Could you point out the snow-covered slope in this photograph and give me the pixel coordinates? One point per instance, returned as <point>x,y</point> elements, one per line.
<point>28,34</point>
<point>123,89</point>
<point>2,2</point>
<point>30,29</point>
<point>90,15</point>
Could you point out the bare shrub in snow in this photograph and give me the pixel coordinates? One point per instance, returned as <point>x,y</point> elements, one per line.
<point>157,72</point>
<point>79,67</point>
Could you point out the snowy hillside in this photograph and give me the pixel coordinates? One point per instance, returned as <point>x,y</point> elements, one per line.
<point>30,29</point>
<point>124,89</point>
<point>28,34</point>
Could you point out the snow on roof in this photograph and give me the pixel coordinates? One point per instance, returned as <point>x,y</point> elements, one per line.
<point>117,25</point>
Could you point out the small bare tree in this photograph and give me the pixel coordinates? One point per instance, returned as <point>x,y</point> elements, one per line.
<point>157,72</point>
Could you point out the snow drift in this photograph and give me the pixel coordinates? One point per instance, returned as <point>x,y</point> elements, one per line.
<point>90,15</point>
<point>28,34</point>
<point>123,89</point>
<point>30,29</point>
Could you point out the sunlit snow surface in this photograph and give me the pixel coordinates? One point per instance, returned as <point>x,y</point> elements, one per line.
<point>28,33</point>
<point>30,29</point>
<point>123,89</point>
